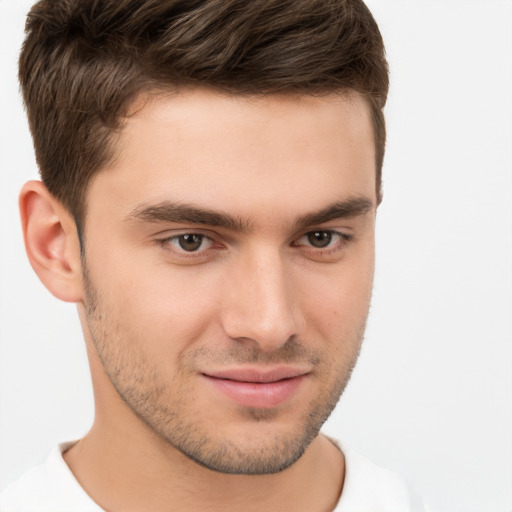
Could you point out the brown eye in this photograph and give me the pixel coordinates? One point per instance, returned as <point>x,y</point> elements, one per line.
<point>190,248</point>
<point>190,242</point>
<point>319,239</point>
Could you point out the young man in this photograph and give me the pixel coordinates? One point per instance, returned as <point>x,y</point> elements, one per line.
<point>210,179</point>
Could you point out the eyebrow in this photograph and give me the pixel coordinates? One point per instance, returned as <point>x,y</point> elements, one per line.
<point>177,212</point>
<point>347,209</point>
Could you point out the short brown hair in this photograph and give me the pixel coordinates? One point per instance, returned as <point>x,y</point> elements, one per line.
<point>84,61</point>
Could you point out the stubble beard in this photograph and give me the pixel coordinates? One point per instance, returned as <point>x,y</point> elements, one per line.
<point>165,406</point>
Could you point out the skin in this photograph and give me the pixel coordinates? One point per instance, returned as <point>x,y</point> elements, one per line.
<point>260,292</point>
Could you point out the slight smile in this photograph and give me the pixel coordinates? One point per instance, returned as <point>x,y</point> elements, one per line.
<point>257,387</point>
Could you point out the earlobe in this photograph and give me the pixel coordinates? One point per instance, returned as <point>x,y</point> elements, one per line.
<point>51,242</point>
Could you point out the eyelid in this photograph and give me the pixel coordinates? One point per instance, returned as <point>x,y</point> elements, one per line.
<point>340,235</point>
<point>338,244</point>
<point>205,240</point>
<point>331,253</point>
<point>174,235</point>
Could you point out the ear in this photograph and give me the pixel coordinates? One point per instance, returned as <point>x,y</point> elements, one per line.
<point>51,242</point>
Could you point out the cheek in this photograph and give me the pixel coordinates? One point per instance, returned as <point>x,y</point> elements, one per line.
<point>336,301</point>
<point>167,309</point>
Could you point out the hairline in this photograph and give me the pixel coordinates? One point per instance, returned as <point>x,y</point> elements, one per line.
<point>140,99</point>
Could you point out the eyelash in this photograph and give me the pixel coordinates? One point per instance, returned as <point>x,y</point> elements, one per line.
<point>340,241</point>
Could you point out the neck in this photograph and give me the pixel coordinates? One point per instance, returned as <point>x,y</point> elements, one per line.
<point>133,471</point>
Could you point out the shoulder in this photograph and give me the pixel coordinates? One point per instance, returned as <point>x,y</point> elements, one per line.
<point>371,488</point>
<point>48,487</point>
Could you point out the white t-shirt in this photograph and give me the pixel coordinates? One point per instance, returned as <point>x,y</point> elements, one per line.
<point>51,487</point>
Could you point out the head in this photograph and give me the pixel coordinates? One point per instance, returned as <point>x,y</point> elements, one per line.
<point>212,170</point>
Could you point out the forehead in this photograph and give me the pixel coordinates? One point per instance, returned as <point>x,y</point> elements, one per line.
<point>222,150</point>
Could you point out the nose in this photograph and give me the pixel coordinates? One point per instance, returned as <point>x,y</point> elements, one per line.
<point>258,301</point>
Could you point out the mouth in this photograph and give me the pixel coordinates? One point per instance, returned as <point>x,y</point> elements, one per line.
<point>259,388</point>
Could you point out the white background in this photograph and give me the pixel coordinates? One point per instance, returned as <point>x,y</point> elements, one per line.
<point>432,395</point>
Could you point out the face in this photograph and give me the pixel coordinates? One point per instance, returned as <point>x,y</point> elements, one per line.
<point>228,265</point>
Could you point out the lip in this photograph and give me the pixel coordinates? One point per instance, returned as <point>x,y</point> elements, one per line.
<point>261,388</point>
